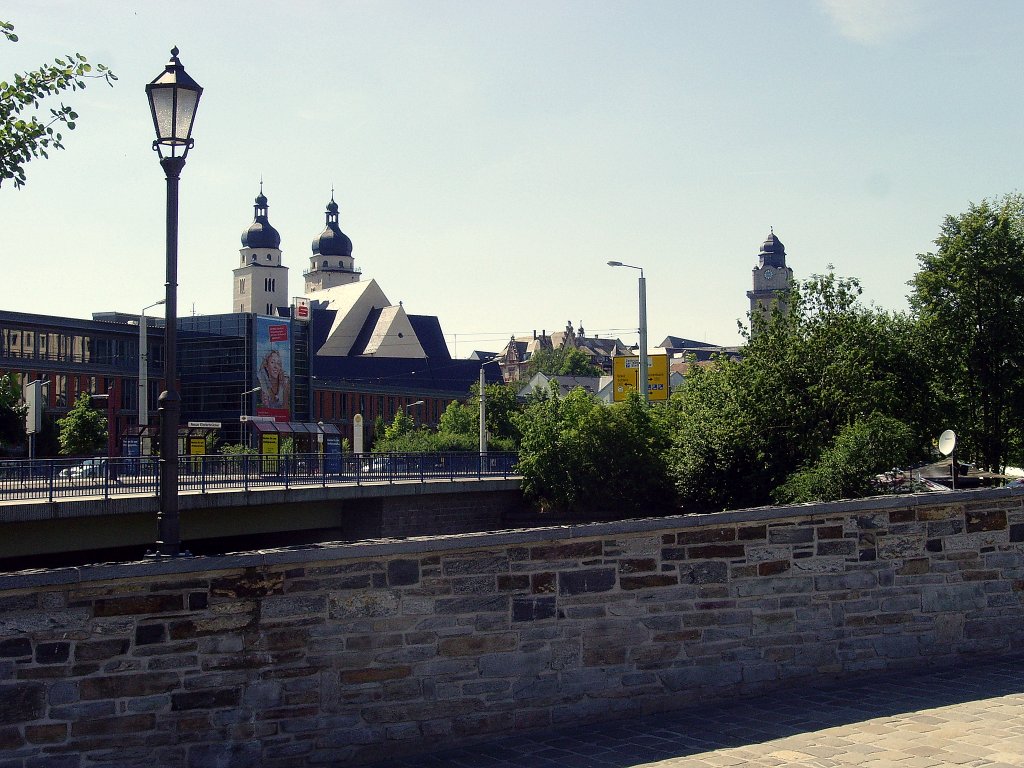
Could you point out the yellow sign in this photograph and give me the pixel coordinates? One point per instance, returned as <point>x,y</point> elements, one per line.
<point>626,371</point>
<point>269,448</point>
<point>196,446</point>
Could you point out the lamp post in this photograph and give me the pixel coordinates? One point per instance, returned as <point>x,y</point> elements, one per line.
<point>413,405</point>
<point>173,99</point>
<point>144,372</point>
<point>642,383</point>
<point>243,411</point>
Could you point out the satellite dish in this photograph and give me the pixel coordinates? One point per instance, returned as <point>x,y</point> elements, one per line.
<point>947,442</point>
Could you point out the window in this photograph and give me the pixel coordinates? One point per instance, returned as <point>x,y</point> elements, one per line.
<point>270,309</point>
<point>241,285</point>
<point>268,257</point>
<point>325,262</point>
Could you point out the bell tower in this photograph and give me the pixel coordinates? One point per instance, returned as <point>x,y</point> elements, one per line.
<point>331,263</point>
<point>260,280</point>
<point>772,279</point>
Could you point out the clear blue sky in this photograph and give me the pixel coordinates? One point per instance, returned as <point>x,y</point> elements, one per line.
<point>490,157</point>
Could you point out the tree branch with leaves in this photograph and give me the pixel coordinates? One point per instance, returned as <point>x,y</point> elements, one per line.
<point>26,132</point>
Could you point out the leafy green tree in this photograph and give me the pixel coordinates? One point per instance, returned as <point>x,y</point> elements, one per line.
<point>564,361</point>
<point>12,411</point>
<point>580,455</point>
<point>83,430</point>
<point>401,424</point>
<point>846,469</point>
<point>743,427</point>
<point>969,296</point>
<point>26,136</point>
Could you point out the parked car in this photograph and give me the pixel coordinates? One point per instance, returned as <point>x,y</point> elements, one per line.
<point>88,468</point>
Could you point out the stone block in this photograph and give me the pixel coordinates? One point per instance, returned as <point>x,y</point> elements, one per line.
<point>225,755</point>
<point>100,650</point>
<point>516,583</point>
<point>534,608</point>
<point>138,605</point>
<point>124,686</point>
<point>575,551</point>
<point>52,653</point>
<point>351,605</point>
<point>585,581</point>
<point>465,566</point>
<point>952,598</point>
<point>15,648</point>
<point>637,565</point>
<point>109,726</point>
<point>205,699</point>
<point>790,534</point>
<point>21,702</point>
<point>46,733</point>
<point>485,604</point>
<point>704,573</point>
<point>474,585</point>
<point>250,584</point>
<point>752,532</point>
<point>840,547</point>
<point>150,634</point>
<point>649,581</point>
<point>706,536</point>
<point>475,645</point>
<point>990,520</point>
<point>705,552</point>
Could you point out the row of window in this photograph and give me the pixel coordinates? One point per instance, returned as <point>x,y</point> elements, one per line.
<point>73,348</point>
<point>342,406</point>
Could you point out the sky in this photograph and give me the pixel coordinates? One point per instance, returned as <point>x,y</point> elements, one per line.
<point>489,158</point>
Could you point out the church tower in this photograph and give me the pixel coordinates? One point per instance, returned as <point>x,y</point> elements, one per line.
<point>772,278</point>
<point>331,263</point>
<point>261,281</point>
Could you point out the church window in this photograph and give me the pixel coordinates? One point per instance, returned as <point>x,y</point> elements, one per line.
<point>341,264</point>
<point>325,262</point>
<point>268,257</point>
<point>241,285</point>
<point>253,258</point>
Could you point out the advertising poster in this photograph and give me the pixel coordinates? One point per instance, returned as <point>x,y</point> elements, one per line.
<point>273,368</point>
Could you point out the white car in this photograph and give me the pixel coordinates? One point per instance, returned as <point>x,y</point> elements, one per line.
<point>88,468</point>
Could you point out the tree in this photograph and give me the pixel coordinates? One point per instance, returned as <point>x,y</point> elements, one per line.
<point>12,411</point>
<point>564,361</point>
<point>580,455</point>
<point>969,296</point>
<point>806,373</point>
<point>84,430</point>
<point>847,468</point>
<point>25,136</point>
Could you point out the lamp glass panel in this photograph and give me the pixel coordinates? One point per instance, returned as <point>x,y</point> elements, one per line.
<point>162,100</point>
<point>186,112</point>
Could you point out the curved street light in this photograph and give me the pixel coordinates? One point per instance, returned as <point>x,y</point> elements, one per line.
<point>642,383</point>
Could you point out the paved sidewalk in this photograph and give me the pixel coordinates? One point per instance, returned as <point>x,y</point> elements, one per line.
<point>966,716</point>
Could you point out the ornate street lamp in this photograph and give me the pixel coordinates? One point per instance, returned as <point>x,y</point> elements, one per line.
<point>173,99</point>
<point>642,383</point>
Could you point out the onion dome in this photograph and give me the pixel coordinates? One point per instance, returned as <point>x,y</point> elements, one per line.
<point>332,241</point>
<point>773,252</point>
<point>260,233</point>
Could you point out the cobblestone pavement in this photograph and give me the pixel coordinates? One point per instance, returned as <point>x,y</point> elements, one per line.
<point>965,716</point>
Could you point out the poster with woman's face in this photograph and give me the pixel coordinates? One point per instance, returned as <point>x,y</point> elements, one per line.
<point>273,368</point>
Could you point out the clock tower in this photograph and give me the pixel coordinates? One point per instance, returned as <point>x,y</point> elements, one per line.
<point>772,278</point>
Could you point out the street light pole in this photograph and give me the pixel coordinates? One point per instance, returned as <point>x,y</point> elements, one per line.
<point>413,405</point>
<point>243,412</point>
<point>642,384</point>
<point>144,372</point>
<point>173,99</point>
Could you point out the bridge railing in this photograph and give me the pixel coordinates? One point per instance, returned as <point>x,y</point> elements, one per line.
<point>63,478</point>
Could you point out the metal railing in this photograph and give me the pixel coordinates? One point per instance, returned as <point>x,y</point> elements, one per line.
<point>67,478</point>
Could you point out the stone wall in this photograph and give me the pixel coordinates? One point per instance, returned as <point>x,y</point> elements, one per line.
<point>345,654</point>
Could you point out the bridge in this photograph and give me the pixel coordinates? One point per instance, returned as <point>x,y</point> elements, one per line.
<point>58,512</point>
